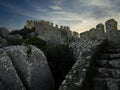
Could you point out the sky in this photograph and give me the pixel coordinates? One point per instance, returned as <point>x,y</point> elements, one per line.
<point>80,15</point>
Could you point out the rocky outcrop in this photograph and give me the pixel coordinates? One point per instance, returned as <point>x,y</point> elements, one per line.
<point>31,35</point>
<point>23,68</point>
<point>9,79</point>
<point>3,42</point>
<point>4,32</point>
<point>15,39</point>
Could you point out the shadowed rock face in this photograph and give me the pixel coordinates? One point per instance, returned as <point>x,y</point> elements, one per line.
<point>9,79</point>
<point>24,68</point>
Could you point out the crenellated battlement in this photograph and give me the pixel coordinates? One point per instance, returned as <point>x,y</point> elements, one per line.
<point>91,66</point>
<point>52,33</point>
<point>99,31</point>
<point>42,23</point>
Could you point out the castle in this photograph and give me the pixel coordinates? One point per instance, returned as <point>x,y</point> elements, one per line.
<point>51,33</point>
<point>93,69</point>
<point>97,55</point>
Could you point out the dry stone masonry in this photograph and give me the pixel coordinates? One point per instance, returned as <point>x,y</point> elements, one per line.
<point>107,74</point>
<point>85,75</point>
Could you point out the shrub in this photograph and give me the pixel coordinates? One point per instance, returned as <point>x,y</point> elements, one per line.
<point>41,44</point>
<point>23,32</point>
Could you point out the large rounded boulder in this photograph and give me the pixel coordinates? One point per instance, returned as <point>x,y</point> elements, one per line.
<point>26,67</point>
<point>4,32</point>
<point>3,42</point>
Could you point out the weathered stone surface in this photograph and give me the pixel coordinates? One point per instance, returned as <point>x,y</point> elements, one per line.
<point>3,42</point>
<point>110,56</point>
<point>40,37</point>
<point>99,84</point>
<point>115,63</point>
<point>106,84</point>
<point>75,36</point>
<point>53,35</point>
<point>112,84</point>
<point>112,51</point>
<point>4,32</point>
<point>100,27</point>
<point>83,51</point>
<point>9,79</point>
<point>111,25</point>
<point>115,47</point>
<point>84,35</point>
<point>102,63</point>
<point>94,33</point>
<point>32,67</point>
<point>104,72</point>
<point>31,35</point>
<point>113,37</point>
<point>112,32</point>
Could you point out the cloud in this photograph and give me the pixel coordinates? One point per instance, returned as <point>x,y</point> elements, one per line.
<point>55,7</point>
<point>99,3</point>
<point>57,2</point>
<point>65,18</point>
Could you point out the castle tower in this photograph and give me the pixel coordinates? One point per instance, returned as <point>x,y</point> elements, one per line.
<point>111,25</point>
<point>75,36</point>
<point>61,27</point>
<point>100,27</point>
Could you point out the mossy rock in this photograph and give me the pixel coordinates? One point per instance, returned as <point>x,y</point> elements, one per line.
<point>41,44</point>
<point>23,32</point>
<point>16,39</point>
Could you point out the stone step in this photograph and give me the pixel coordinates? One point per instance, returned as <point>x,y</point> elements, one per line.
<point>105,73</point>
<point>115,47</point>
<point>108,63</point>
<point>112,47</point>
<point>112,51</point>
<point>114,63</point>
<point>106,84</point>
<point>110,56</point>
<point>101,63</point>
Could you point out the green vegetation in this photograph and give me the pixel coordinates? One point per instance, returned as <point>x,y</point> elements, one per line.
<point>41,44</point>
<point>23,32</point>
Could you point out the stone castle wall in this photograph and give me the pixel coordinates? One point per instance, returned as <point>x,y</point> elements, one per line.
<point>61,35</point>
<point>51,33</point>
<point>110,31</point>
<point>84,50</point>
